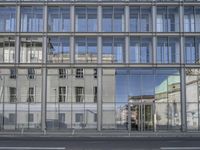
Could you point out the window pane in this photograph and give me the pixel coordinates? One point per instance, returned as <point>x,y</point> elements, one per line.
<point>107,52</point>
<point>58,50</point>
<point>107,19</point>
<point>7,49</point>
<point>58,19</point>
<point>119,52</point>
<point>168,50</point>
<point>189,19</point>
<point>31,50</point>
<point>31,19</point>
<point>7,19</point>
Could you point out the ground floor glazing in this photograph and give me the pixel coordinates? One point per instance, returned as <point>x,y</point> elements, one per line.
<point>125,99</point>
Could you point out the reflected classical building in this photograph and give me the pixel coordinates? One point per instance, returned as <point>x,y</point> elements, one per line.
<point>73,65</point>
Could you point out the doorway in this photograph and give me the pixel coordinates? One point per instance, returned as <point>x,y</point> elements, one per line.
<point>141,117</point>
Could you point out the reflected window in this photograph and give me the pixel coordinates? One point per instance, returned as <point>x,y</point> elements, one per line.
<point>80,94</point>
<point>13,94</point>
<point>86,19</point>
<point>95,73</point>
<point>113,50</point>
<point>31,73</point>
<point>140,19</point>
<point>58,50</point>
<point>62,94</point>
<point>30,117</point>
<point>79,117</point>
<point>11,118</point>
<point>31,19</point>
<point>62,73</point>
<point>79,73</point>
<point>168,50</point>
<point>86,49</point>
<point>31,50</point>
<point>7,49</point>
<point>192,49</point>
<point>58,19</point>
<point>140,49</point>
<point>113,19</point>
<point>95,117</point>
<point>30,96</point>
<point>13,73</point>
<point>167,19</point>
<point>7,19</point>
<point>95,94</point>
<point>191,19</point>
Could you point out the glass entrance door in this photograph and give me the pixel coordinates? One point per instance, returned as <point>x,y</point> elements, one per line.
<point>141,116</point>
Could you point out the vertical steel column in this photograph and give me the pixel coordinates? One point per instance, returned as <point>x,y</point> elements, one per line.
<point>183,83</point>
<point>99,99</point>
<point>183,101</point>
<point>99,19</point>
<point>154,33</point>
<point>99,39</point>
<point>99,71</point>
<point>17,51</point>
<point>44,73</point>
<point>127,37</point>
<point>72,18</point>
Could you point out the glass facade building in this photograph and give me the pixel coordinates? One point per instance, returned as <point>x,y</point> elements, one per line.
<point>125,65</point>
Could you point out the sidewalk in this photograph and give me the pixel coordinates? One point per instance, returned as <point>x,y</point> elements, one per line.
<point>94,133</point>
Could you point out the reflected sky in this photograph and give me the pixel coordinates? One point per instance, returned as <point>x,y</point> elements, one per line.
<point>143,83</point>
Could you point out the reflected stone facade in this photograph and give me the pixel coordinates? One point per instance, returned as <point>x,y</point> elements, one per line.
<point>106,65</point>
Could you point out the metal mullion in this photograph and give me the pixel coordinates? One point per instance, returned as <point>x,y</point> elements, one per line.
<point>194,12</point>
<point>113,45</point>
<point>139,19</point>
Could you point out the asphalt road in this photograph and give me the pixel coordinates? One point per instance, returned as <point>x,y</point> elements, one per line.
<point>83,143</point>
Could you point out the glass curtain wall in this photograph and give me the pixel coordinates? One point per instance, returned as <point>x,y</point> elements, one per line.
<point>86,49</point>
<point>127,87</point>
<point>71,99</point>
<point>8,19</point>
<point>32,19</point>
<point>58,49</point>
<point>140,19</point>
<point>192,98</point>
<point>58,19</point>
<point>20,99</point>
<point>7,49</point>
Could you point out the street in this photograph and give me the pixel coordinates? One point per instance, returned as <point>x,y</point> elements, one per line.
<point>99,143</point>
